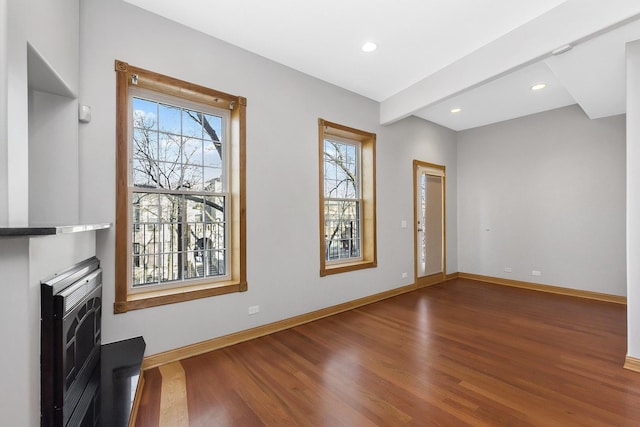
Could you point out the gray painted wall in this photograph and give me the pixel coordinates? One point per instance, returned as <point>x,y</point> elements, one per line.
<point>282,175</point>
<point>52,29</point>
<point>633,199</point>
<point>4,177</point>
<point>16,144</point>
<point>414,138</point>
<point>53,159</point>
<point>545,192</point>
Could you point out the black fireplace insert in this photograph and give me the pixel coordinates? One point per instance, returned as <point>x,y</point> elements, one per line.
<point>71,303</point>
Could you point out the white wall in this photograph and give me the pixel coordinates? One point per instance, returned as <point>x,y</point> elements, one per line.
<point>282,176</point>
<point>545,192</point>
<point>633,199</point>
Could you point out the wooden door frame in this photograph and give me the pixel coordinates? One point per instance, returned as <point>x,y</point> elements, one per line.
<point>437,277</point>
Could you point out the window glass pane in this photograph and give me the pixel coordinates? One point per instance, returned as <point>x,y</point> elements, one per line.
<point>145,271</point>
<point>213,209</point>
<point>169,207</point>
<point>212,127</point>
<point>350,158</point>
<point>145,173</point>
<point>342,225</point>
<point>145,114</point>
<point>340,170</point>
<point>170,176</point>
<point>192,151</point>
<point>217,236</point>
<point>217,263</point>
<point>188,243</point>
<point>212,153</point>
<point>213,180</point>
<point>145,144</point>
<point>180,235</point>
<point>194,206</point>
<point>194,265</point>
<point>170,269</point>
<point>149,206</point>
<point>171,237</point>
<point>145,237</point>
<point>169,119</point>
<point>219,257</point>
<point>169,149</point>
<point>205,250</point>
<point>191,123</point>
<point>192,179</point>
<point>329,171</point>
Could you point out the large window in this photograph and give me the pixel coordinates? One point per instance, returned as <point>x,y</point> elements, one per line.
<point>180,190</point>
<point>347,198</point>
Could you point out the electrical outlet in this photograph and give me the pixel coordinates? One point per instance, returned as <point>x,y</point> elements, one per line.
<point>405,275</point>
<point>403,224</point>
<point>535,273</point>
<point>507,269</point>
<point>254,309</point>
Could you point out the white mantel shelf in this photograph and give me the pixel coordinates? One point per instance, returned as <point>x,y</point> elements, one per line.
<point>50,230</point>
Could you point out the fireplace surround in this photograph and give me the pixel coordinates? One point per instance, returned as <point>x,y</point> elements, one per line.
<point>27,254</point>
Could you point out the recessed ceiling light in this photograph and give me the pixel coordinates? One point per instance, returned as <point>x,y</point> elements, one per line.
<point>456,110</point>
<point>539,86</point>
<point>369,47</point>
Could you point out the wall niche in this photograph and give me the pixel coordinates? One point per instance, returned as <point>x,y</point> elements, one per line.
<point>53,146</point>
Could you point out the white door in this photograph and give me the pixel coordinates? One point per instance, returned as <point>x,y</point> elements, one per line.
<point>429,204</point>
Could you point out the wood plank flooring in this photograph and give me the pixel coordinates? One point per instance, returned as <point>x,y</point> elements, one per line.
<point>454,354</point>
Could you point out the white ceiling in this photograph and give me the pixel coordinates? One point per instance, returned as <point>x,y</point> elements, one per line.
<point>437,54</point>
<point>502,99</point>
<point>592,75</point>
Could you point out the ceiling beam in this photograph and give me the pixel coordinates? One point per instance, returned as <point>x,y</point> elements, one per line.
<point>572,22</point>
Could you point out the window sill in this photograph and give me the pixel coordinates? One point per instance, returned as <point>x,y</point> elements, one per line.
<point>328,269</point>
<point>169,296</point>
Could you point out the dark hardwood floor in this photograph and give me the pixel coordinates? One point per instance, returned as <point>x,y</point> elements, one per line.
<point>454,354</point>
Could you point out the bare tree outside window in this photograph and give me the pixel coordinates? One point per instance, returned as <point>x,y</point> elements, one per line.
<point>341,200</point>
<point>178,194</point>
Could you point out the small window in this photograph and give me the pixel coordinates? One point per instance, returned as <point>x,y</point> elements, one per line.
<point>342,201</point>
<point>347,199</point>
<point>180,230</point>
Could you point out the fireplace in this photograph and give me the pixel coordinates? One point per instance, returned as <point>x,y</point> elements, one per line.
<point>71,303</point>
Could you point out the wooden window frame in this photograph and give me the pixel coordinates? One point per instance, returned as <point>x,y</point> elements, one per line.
<point>128,76</point>
<point>367,141</point>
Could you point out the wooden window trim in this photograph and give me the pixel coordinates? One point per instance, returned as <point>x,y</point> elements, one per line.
<point>368,189</point>
<point>126,77</point>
